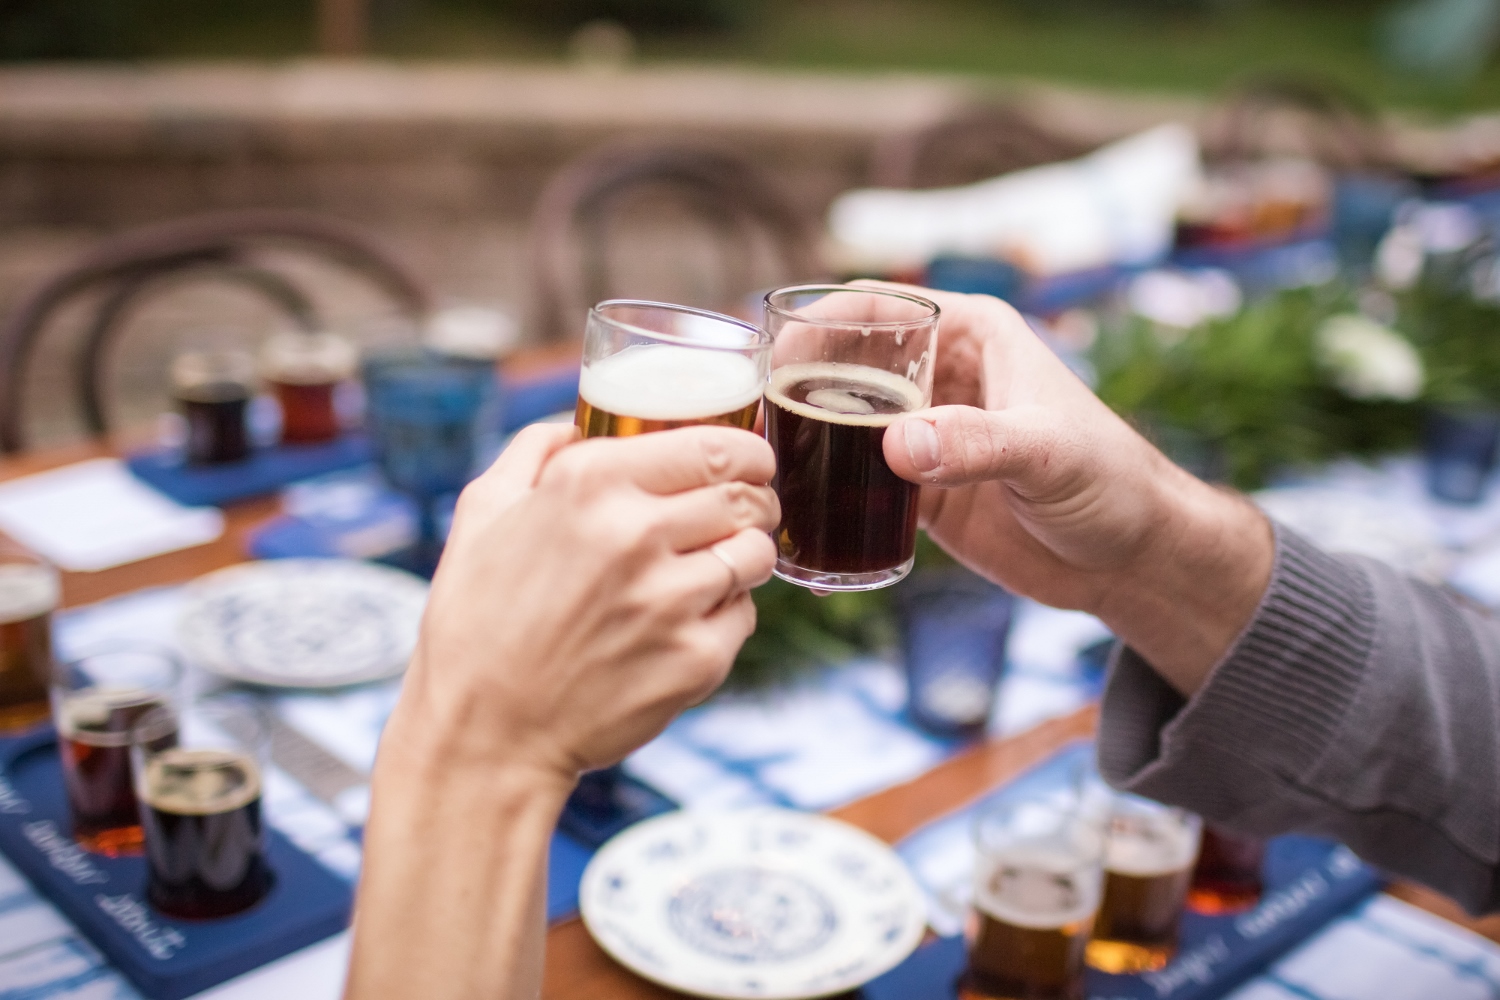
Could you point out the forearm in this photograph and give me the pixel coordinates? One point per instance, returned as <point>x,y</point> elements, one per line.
<point>451,904</point>
<point>1197,583</point>
<point>1359,704</point>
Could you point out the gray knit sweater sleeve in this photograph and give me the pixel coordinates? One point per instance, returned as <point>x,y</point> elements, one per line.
<point>1358,704</point>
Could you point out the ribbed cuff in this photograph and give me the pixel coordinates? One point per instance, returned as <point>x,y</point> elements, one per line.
<point>1276,698</point>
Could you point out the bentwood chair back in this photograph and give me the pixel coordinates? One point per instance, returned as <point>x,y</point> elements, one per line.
<point>121,272</point>
<point>971,145</point>
<point>574,237</point>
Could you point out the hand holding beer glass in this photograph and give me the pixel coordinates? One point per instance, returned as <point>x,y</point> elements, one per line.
<point>848,361</point>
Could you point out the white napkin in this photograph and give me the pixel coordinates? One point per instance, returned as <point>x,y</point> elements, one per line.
<point>95,514</point>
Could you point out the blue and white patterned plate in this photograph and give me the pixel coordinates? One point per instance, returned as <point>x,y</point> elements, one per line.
<point>760,903</point>
<point>303,622</point>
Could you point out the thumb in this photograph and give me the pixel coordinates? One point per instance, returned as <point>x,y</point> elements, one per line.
<point>960,445</point>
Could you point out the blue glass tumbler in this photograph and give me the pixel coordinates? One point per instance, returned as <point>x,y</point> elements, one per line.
<point>954,627</point>
<point>1460,447</point>
<point>423,412</point>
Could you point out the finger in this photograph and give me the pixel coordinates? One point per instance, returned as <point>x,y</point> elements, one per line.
<point>696,518</point>
<point>721,634</point>
<point>672,461</point>
<point>704,580</point>
<point>517,468</point>
<point>959,445</point>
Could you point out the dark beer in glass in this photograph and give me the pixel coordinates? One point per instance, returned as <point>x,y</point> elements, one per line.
<point>29,591</point>
<point>651,366</point>
<point>304,370</point>
<point>213,390</point>
<point>96,702</point>
<point>1227,877</point>
<point>200,799</point>
<point>847,363</point>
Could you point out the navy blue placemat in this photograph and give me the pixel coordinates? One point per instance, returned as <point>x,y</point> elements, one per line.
<point>265,471</point>
<point>1308,883</point>
<point>166,959</point>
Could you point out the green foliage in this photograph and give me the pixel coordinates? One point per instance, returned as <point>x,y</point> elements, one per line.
<point>1459,340</point>
<point>1249,387</point>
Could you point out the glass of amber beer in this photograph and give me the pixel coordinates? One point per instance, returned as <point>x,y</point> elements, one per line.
<point>1227,877</point>
<point>847,362</point>
<point>1038,879</point>
<point>96,701</point>
<point>1148,863</point>
<point>651,366</point>
<point>305,370</point>
<point>199,780</point>
<point>29,592</point>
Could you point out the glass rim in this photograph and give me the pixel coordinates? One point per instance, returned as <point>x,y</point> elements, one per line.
<point>885,324</point>
<point>760,339</point>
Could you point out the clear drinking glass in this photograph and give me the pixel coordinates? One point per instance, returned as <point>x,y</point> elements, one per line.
<point>652,366</point>
<point>847,362</point>
<point>199,778</point>
<point>96,701</point>
<point>1148,861</point>
<point>1038,881</point>
<point>29,592</point>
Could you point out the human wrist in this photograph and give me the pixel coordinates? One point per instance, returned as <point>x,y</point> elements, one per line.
<point>1202,571</point>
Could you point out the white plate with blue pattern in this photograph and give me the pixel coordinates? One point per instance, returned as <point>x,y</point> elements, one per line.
<point>762,903</point>
<point>308,623</point>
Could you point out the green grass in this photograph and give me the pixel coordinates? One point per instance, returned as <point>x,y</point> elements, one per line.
<point>1137,44</point>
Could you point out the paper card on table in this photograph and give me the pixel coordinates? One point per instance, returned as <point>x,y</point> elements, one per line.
<point>95,514</point>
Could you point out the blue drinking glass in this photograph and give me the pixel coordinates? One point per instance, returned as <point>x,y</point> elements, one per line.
<point>1460,447</point>
<point>423,413</point>
<point>954,626</point>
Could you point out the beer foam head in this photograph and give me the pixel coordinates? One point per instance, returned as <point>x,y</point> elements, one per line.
<point>200,782</point>
<point>1038,886</point>
<point>1147,845</point>
<point>665,382</point>
<point>27,590</point>
<point>841,395</point>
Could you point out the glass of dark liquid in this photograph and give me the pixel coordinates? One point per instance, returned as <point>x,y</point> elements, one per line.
<point>213,390</point>
<point>96,702</point>
<point>846,363</point>
<point>1038,882</point>
<point>1227,878</point>
<point>29,592</point>
<point>199,778</point>
<point>304,370</point>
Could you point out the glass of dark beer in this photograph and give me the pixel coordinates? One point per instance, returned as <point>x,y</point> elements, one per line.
<point>651,366</point>
<point>29,592</point>
<point>213,388</point>
<point>199,778</point>
<point>847,362</point>
<point>1227,877</point>
<point>305,370</point>
<point>1038,880</point>
<point>1148,862</point>
<point>96,701</point>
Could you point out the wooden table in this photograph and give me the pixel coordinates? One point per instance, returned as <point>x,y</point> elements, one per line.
<point>576,968</point>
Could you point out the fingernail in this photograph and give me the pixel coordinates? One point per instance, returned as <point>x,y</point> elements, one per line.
<point>922,445</point>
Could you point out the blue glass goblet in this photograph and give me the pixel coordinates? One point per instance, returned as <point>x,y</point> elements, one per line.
<point>423,414</point>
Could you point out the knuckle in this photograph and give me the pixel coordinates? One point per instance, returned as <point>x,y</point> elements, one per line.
<point>716,456</point>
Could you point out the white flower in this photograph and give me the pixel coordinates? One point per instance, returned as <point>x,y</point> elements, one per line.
<point>1368,360</point>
